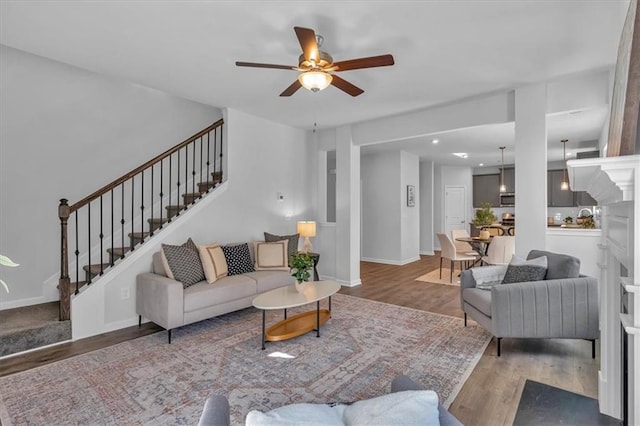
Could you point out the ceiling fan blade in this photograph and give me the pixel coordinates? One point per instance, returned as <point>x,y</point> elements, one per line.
<point>307,39</point>
<point>370,62</point>
<point>345,86</point>
<point>291,89</point>
<point>256,65</point>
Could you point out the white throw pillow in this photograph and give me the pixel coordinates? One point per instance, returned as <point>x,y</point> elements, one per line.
<point>405,408</point>
<point>214,263</point>
<point>271,256</point>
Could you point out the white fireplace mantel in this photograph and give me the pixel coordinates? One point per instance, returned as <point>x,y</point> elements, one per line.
<point>615,183</point>
<point>608,180</point>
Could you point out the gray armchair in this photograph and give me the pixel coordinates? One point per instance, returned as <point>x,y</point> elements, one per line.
<point>216,409</point>
<point>563,305</point>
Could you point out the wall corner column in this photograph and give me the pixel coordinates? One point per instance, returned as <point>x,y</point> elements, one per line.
<point>347,208</point>
<point>531,167</point>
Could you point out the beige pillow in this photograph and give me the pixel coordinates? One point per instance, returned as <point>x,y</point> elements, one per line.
<point>271,256</point>
<point>213,262</point>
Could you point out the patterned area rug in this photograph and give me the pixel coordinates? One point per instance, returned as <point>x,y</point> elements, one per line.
<point>146,381</point>
<point>434,277</point>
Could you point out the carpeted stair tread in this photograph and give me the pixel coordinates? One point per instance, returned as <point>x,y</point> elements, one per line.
<point>190,197</point>
<point>138,235</point>
<point>117,252</point>
<point>96,268</point>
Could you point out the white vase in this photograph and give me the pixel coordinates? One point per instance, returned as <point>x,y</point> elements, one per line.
<point>300,287</point>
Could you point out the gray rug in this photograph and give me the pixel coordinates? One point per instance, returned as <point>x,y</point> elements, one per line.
<point>542,405</point>
<point>147,381</point>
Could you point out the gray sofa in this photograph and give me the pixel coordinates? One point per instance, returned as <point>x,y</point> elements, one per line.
<point>165,302</point>
<point>216,408</point>
<point>563,305</point>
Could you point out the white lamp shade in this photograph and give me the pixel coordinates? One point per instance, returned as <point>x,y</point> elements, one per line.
<point>315,80</point>
<point>307,228</point>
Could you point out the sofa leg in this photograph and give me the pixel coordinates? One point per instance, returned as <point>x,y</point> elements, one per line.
<point>498,340</point>
<point>465,319</point>
<point>139,320</point>
<point>593,348</point>
<point>169,335</point>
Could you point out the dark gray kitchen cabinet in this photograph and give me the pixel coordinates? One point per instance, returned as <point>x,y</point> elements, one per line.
<point>556,197</point>
<point>486,189</point>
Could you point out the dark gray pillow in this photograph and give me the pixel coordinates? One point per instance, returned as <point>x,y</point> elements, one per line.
<point>292,248</point>
<point>520,271</point>
<point>238,259</point>
<point>558,265</point>
<point>184,263</point>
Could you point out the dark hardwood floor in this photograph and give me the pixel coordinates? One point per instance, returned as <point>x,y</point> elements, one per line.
<point>491,394</point>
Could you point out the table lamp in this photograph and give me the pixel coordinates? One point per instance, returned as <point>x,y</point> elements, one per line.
<point>307,229</point>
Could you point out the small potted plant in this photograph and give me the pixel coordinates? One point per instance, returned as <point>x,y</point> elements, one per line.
<point>484,217</point>
<point>568,220</point>
<point>301,266</point>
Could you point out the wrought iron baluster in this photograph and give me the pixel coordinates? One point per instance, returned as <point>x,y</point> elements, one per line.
<point>132,212</point>
<point>142,207</point>
<point>186,174</point>
<point>112,232</point>
<point>220,153</point>
<point>151,227</point>
<point>178,185</point>
<point>208,159</point>
<point>89,238</point>
<point>122,220</point>
<point>161,186</point>
<point>215,154</point>
<point>201,150</point>
<point>77,253</point>
<point>193,169</point>
<point>170,191</point>
<point>101,240</point>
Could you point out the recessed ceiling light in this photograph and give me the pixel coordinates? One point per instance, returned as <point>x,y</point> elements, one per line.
<point>435,141</point>
<point>461,154</point>
<point>481,164</point>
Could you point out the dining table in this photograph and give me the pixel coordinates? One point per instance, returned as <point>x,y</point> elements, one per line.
<point>479,244</point>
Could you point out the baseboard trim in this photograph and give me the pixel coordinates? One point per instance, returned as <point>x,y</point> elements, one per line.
<point>428,253</point>
<point>353,283</point>
<point>391,262</point>
<point>24,302</point>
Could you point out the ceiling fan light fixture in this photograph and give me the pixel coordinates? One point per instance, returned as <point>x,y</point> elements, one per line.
<point>315,80</point>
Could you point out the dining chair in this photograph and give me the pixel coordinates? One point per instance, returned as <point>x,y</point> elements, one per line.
<point>494,231</point>
<point>448,251</point>
<point>511,231</point>
<point>462,247</point>
<point>500,251</point>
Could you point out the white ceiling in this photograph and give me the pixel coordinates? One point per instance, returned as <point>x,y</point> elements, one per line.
<point>444,50</point>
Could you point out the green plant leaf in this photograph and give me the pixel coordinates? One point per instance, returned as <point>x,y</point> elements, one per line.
<point>5,261</point>
<point>4,285</point>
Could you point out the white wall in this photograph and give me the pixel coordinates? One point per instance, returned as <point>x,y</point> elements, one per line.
<point>390,229</point>
<point>427,234</point>
<point>65,133</point>
<point>264,158</point>
<point>381,203</point>
<point>450,175</point>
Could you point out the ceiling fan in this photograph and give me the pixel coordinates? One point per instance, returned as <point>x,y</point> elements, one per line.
<point>317,67</point>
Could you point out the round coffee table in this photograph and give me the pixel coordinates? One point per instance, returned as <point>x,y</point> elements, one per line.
<point>289,297</point>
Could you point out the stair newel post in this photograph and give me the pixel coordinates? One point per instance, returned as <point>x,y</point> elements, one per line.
<point>64,283</point>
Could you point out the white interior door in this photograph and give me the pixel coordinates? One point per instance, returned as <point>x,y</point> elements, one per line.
<point>455,208</point>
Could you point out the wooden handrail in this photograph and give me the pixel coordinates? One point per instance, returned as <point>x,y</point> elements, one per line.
<point>143,167</point>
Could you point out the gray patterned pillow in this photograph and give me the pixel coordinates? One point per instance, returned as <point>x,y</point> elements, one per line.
<point>520,270</point>
<point>292,248</point>
<point>184,263</point>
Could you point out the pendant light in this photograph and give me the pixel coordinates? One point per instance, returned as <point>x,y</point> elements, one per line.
<point>564,186</point>
<point>503,187</point>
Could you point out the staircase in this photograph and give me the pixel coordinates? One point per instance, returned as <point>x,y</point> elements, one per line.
<point>104,227</point>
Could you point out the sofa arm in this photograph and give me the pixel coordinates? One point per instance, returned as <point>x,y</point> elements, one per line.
<point>215,412</point>
<point>404,383</point>
<point>563,308</point>
<point>466,281</point>
<point>160,299</point>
